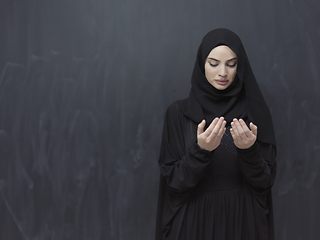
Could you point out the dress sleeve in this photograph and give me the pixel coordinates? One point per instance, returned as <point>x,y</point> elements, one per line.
<point>182,169</point>
<point>258,165</point>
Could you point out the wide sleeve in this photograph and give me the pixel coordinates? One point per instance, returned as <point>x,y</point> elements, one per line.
<point>181,168</point>
<point>258,165</point>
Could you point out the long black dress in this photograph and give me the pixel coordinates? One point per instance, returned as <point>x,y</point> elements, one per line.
<point>224,194</point>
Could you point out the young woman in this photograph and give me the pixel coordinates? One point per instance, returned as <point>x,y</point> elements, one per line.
<point>217,157</point>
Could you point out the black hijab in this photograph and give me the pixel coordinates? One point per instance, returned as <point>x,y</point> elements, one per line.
<point>242,99</point>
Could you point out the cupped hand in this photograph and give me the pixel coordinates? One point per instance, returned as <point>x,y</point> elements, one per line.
<point>242,136</point>
<point>211,137</point>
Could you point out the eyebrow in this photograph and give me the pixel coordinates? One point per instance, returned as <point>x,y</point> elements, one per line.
<point>226,61</point>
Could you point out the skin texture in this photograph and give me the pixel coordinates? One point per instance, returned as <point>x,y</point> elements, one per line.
<point>220,70</point>
<point>242,136</point>
<point>210,138</point>
<point>221,67</point>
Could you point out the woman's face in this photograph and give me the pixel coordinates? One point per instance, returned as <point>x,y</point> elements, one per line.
<point>221,67</point>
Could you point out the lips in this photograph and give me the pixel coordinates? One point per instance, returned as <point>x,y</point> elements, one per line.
<point>221,81</point>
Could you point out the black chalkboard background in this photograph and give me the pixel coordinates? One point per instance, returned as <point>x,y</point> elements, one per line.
<point>84,85</point>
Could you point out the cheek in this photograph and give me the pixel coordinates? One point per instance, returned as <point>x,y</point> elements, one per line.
<point>206,71</point>
<point>233,74</point>
<point>209,72</point>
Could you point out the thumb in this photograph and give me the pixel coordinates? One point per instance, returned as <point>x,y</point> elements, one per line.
<point>201,127</point>
<point>254,129</point>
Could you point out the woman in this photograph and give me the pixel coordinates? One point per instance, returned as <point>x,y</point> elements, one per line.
<point>216,170</point>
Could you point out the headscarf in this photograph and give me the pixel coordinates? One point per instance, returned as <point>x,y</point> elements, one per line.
<point>242,99</point>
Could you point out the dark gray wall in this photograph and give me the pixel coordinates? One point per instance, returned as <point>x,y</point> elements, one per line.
<point>84,86</point>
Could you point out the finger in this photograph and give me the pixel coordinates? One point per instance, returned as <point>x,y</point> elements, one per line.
<point>245,128</point>
<point>234,129</point>
<point>211,127</point>
<point>241,128</point>
<point>232,133</point>
<point>218,128</point>
<point>243,125</point>
<point>222,129</point>
<point>254,129</point>
<point>201,127</point>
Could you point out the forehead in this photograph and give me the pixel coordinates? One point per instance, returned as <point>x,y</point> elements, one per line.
<point>222,52</point>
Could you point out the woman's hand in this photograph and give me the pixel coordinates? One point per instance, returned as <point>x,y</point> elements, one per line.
<point>242,136</point>
<point>211,137</point>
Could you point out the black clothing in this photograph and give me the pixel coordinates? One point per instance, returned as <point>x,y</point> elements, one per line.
<point>224,194</point>
<point>242,99</point>
<point>212,195</point>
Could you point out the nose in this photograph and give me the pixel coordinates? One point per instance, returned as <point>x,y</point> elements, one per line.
<point>223,71</point>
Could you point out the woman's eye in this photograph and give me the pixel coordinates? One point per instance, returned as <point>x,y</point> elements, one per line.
<point>213,65</point>
<point>232,65</point>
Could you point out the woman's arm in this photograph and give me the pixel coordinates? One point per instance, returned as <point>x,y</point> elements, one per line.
<point>183,174</point>
<point>257,160</point>
<point>258,165</point>
<point>183,169</point>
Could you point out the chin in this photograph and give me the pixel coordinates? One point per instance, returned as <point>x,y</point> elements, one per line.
<point>220,87</point>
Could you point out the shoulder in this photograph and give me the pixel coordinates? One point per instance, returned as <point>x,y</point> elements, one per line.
<point>175,109</point>
<point>178,105</point>
<point>174,122</point>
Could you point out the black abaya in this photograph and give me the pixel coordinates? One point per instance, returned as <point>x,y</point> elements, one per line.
<point>220,195</point>
<point>224,194</point>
